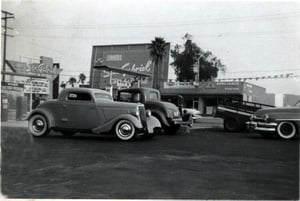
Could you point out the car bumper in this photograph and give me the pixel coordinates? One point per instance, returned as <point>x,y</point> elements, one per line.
<point>261,126</point>
<point>179,121</point>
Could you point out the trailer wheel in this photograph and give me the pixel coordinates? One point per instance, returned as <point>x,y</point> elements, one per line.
<point>231,125</point>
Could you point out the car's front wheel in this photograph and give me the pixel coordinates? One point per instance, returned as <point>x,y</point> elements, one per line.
<point>286,130</point>
<point>38,126</point>
<point>125,130</point>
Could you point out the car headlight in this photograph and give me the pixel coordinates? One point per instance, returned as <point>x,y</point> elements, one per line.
<point>148,113</point>
<point>137,111</point>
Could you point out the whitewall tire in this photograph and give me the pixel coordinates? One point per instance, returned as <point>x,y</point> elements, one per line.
<point>38,126</point>
<point>125,130</point>
<point>286,130</point>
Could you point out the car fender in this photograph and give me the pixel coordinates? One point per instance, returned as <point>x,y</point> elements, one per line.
<point>47,114</point>
<point>152,122</point>
<point>108,126</point>
<point>161,117</point>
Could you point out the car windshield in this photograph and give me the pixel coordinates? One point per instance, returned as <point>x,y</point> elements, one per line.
<point>153,96</point>
<point>102,96</point>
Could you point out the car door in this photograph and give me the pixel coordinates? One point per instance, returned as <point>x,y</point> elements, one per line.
<point>80,110</point>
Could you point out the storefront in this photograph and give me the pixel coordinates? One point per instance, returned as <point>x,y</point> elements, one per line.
<point>204,96</point>
<point>27,85</point>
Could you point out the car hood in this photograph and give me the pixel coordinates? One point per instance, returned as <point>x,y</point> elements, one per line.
<point>162,104</point>
<point>293,111</point>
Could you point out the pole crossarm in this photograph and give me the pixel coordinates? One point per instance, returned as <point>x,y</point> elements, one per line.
<point>6,12</point>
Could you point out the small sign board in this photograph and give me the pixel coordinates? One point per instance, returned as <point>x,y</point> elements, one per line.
<point>39,86</point>
<point>11,87</point>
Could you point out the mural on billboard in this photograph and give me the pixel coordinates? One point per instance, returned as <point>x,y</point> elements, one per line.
<point>129,57</point>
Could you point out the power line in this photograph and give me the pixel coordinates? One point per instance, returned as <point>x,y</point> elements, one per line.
<point>206,20</point>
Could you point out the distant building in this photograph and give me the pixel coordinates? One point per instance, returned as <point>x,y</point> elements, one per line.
<point>286,100</point>
<point>204,95</point>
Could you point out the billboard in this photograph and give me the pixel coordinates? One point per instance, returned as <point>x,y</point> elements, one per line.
<point>133,57</point>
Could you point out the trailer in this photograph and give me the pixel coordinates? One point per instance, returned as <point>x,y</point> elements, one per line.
<point>236,112</point>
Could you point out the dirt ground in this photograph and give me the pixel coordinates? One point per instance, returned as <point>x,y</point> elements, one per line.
<point>204,164</point>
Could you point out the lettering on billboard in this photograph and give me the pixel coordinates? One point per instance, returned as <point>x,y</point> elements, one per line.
<point>114,57</point>
<point>35,68</point>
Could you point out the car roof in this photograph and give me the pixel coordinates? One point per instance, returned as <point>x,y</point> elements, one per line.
<point>63,93</point>
<point>92,90</point>
<point>139,89</point>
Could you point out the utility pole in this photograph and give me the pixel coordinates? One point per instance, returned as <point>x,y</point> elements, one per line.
<point>7,15</point>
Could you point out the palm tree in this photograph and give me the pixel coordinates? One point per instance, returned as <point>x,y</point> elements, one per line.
<point>82,78</point>
<point>157,53</point>
<point>63,85</point>
<point>72,81</point>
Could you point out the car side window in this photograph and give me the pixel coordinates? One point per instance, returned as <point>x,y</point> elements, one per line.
<point>79,96</point>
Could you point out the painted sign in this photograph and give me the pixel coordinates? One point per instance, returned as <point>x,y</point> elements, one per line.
<point>135,57</point>
<point>45,68</point>
<point>207,87</point>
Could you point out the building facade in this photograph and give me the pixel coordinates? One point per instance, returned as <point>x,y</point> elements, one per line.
<point>27,84</point>
<point>204,96</point>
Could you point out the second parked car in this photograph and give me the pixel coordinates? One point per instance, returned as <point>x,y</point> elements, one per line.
<point>285,122</point>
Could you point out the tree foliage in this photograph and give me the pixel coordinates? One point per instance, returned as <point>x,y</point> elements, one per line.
<point>82,78</point>
<point>192,56</point>
<point>157,53</point>
<point>72,81</point>
<point>63,85</point>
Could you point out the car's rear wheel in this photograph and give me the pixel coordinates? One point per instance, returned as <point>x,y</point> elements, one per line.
<point>125,130</point>
<point>231,125</point>
<point>286,130</point>
<point>38,126</point>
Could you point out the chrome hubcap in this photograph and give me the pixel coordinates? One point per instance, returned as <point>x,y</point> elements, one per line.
<point>286,129</point>
<point>38,125</point>
<point>125,129</point>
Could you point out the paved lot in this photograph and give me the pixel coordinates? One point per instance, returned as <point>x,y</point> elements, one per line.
<point>204,164</point>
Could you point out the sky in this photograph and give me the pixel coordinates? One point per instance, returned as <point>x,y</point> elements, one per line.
<point>252,38</point>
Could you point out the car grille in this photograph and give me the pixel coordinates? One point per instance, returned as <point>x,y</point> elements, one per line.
<point>142,112</point>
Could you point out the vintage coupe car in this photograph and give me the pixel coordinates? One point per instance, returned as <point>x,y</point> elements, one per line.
<point>285,122</point>
<point>167,113</point>
<point>91,111</point>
